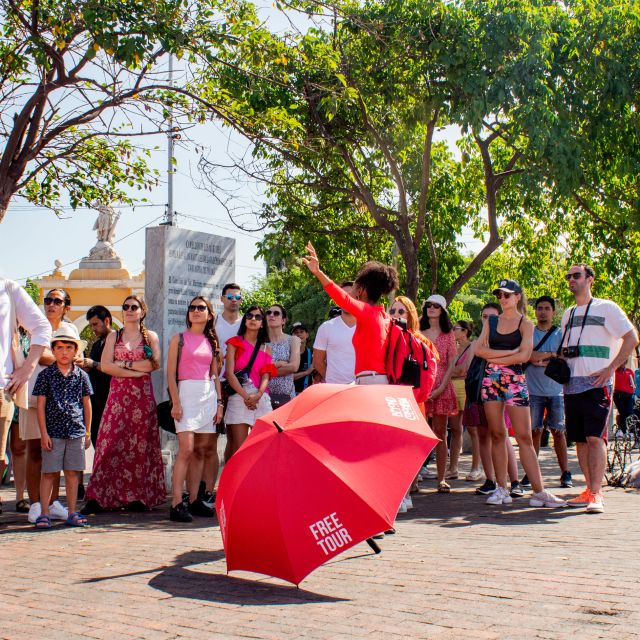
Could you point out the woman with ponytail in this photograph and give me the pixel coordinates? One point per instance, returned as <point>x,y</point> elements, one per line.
<point>127,468</point>
<point>192,378</point>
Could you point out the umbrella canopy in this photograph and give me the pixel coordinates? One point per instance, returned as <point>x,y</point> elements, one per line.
<point>319,475</point>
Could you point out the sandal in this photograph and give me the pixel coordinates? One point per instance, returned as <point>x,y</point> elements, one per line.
<point>22,506</point>
<point>43,522</point>
<point>76,519</point>
<point>443,487</point>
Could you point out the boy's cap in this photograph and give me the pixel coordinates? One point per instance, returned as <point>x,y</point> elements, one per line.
<point>299,325</point>
<point>69,333</point>
<point>508,286</point>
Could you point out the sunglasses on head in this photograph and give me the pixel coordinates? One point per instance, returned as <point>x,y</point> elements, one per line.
<point>197,307</point>
<point>130,307</point>
<point>432,305</point>
<point>457,328</point>
<point>253,316</point>
<point>56,301</point>
<point>399,311</point>
<point>273,312</point>
<point>233,296</point>
<point>503,294</point>
<point>576,275</point>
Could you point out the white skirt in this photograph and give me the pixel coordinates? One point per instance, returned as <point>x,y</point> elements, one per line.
<point>237,412</point>
<point>199,402</point>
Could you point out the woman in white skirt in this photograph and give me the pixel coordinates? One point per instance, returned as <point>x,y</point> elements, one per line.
<point>194,387</point>
<point>248,368</point>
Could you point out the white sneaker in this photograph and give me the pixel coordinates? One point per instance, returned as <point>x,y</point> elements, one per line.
<point>596,504</point>
<point>546,499</point>
<point>499,496</point>
<point>619,435</point>
<point>419,477</point>
<point>427,474</point>
<point>403,507</point>
<point>35,511</point>
<point>408,502</point>
<point>57,511</point>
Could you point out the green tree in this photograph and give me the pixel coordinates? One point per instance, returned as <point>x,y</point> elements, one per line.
<point>80,79</point>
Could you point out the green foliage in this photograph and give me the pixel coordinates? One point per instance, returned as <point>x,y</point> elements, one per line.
<point>33,290</point>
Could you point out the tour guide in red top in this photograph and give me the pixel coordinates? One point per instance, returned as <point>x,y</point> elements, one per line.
<point>372,322</point>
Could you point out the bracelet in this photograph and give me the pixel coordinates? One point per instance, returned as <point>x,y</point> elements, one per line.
<point>94,364</point>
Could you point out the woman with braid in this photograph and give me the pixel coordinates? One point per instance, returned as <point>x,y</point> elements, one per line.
<point>127,469</point>
<point>192,378</point>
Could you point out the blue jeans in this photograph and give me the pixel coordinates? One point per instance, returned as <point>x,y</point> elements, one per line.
<point>554,406</point>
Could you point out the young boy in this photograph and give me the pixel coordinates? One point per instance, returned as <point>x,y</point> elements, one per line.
<point>64,418</point>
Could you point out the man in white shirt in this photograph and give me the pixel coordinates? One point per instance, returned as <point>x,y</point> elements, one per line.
<point>334,357</point>
<point>227,325</point>
<point>597,338</point>
<point>16,307</point>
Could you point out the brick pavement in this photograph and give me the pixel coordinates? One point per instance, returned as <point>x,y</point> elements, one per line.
<point>455,569</point>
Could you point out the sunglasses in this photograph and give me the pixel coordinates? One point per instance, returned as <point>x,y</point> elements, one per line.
<point>400,312</point>
<point>197,307</point>
<point>460,328</point>
<point>432,305</point>
<point>576,276</point>
<point>253,316</point>
<point>503,294</point>
<point>130,307</point>
<point>233,296</point>
<point>57,301</point>
<point>275,312</point>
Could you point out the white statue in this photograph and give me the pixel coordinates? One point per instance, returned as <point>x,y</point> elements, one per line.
<point>105,225</point>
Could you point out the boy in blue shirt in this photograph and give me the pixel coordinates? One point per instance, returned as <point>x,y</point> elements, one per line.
<point>64,418</point>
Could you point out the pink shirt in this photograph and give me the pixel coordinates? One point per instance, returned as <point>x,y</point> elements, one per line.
<point>195,358</point>
<point>262,364</point>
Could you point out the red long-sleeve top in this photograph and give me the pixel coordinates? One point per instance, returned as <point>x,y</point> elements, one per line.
<point>372,329</point>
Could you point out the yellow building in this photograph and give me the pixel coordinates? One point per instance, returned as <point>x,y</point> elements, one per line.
<point>88,286</point>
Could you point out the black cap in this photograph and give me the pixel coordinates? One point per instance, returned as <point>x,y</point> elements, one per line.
<point>508,286</point>
<point>299,325</point>
<point>334,312</point>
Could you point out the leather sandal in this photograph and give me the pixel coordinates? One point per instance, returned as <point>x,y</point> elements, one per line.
<point>443,487</point>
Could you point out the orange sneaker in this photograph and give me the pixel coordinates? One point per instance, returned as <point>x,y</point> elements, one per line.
<point>582,500</point>
<point>596,504</point>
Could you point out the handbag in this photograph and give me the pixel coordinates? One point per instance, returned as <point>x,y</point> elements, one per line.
<point>243,375</point>
<point>279,399</point>
<point>163,410</point>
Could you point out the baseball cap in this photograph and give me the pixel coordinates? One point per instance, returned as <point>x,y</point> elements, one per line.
<point>508,286</point>
<point>299,325</point>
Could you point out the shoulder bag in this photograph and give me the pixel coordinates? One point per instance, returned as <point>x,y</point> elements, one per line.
<point>163,410</point>
<point>243,375</point>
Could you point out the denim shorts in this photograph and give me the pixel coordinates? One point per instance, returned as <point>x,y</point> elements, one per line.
<point>554,406</point>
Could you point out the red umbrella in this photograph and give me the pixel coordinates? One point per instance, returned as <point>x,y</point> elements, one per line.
<point>319,475</point>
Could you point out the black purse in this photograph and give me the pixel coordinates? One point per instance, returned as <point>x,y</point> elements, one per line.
<point>242,376</point>
<point>474,378</point>
<point>163,410</point>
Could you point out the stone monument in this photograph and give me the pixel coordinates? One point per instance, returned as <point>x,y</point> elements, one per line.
<point>103,255</point>
<point>179,265</point>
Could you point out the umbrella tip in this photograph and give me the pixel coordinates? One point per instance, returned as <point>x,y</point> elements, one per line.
<point>278,427</point>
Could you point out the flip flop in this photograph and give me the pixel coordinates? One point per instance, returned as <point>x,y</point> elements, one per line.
<point>22,506</point>
<point>444,487</point>
<point>43,522</point>
<point>76,519</point>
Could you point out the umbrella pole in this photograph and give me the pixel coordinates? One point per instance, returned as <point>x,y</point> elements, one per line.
<point>372,543</point>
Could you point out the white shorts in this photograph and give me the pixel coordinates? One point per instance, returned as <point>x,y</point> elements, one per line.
<point>199,402</point>
<point>237,412</point>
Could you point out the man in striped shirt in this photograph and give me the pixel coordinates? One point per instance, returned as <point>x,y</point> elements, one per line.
<point>597,338</point>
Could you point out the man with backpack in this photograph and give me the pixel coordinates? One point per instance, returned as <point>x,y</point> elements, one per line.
<point>546,401</point>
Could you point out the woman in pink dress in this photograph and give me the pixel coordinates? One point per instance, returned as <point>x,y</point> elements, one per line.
<point>127,468</point>
<point>442,403</point>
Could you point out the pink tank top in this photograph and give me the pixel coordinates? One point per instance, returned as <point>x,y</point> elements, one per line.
<point>195,359</point>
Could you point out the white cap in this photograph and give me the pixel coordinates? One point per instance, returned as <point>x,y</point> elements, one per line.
<point>438,299</point>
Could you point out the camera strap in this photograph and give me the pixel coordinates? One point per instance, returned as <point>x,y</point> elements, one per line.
<point>570,325</point>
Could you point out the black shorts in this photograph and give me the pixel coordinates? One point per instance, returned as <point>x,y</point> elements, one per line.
<point>587,414</point>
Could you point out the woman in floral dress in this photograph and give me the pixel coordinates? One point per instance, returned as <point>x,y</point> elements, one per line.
<point>127,469</point>
<point>435,324</point>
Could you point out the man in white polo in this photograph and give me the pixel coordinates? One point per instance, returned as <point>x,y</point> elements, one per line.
<point>597,338</point>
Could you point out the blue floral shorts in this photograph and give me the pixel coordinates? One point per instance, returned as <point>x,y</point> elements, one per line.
<point>505,384</point>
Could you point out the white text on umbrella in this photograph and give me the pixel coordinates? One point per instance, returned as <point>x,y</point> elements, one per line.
<point>329,533</point>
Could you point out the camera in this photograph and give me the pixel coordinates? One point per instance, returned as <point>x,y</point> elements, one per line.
<point>571,352</point>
